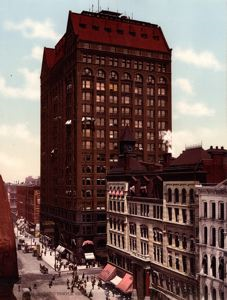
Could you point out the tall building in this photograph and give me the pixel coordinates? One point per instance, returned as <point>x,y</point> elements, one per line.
<point>107,72</point>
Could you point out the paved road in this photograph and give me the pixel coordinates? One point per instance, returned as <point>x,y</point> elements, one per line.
<point>29,270</point>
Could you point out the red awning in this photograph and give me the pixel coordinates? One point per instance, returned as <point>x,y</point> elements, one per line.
<point>87,242</point>
<point>108,273</point>
<point>126,284</point>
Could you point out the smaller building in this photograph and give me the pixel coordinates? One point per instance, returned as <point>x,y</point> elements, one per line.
<point>28,205</point>
<point>213,241</point>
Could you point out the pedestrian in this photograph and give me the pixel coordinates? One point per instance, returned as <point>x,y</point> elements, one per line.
<point>30,289</point>
<point>34,286</point>
<point>18,288</point>
<point>83,276</point>
<point>87,278</point>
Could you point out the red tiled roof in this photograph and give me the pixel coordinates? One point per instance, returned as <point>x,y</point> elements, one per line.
<point>108,273</point>
<point>191,157</point>
<point>126,284</point>
<point>134,34</point>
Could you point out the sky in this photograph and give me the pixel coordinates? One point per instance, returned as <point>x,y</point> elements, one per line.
<point>196,30</point>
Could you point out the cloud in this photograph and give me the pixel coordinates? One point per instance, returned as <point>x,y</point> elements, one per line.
<point>204,59</point>
<point>194,109</point>
<point>202,136</point>
<point>19,131</point>
<point>185,85</point>
<point>37,53</point>
<point>30,90</point>
<point>33,29</point>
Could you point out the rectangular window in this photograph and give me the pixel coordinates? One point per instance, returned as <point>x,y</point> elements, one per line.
<point>170,213</point>
<point>213,210</point>
<point>176,214</point>
<point>184,215</point>
<point>86,84</point>
<point>100,86</point>
<point>205,209</point>
<point>221,211</point>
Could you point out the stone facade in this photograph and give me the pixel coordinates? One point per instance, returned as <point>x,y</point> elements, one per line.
<point>213,241</point>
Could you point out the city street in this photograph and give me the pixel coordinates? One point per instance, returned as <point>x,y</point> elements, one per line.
<point>29,271</point>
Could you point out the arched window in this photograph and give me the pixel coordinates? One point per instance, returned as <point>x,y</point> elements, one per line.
<point>126,76</point>
<point>221,237</point>
<point>150,79</point>
<point>213,236</point>
<point>214,294</point>
<point>169,195</point>
<point>144,231</point>
<point>206,292</point>
<point>205,264</point>
<point>101,74</point>
<point>113,75</point>
<point>213,266</point>
<point>162,80</point>
<point>192,196</point>
<point>184,195</point>
<point>87,72</point>
<point>221,268</point>
<point>176,195</point>
<point>138,78</point>
<point>205,235</point>
<point>157,235</point>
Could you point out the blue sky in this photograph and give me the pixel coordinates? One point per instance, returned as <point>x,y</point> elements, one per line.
<point>195,30</point>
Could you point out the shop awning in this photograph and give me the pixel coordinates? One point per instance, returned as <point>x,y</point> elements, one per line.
<point>60,249</point>
<point>126,284</point>
<point>108,273</point>
<point>116,280</point>
<point>89,256</point>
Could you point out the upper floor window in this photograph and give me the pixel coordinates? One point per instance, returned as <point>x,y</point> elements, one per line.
<point>162,80</point>
<point>87,72</point>
<point>221,210</point>
<point>192,196</point>
<point>169,195</point>
<point>144,231</point>
<point>113,75</point>
<point>101,74</point>
<point>184,195</point>
<point>126,76</point>
<point>150,79</point>
<point>138,78</point>
<point>176,194</point>
<point>213,210</point>
<point>205,209</point>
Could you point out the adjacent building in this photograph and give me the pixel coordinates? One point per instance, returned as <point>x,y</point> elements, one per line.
<point>107,72</point>
<point>153,220</point>
<point>212,241</point>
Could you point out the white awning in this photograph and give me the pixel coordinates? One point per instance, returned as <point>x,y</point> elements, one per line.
<point>89,256</point>
<point>116,280</point>
<point>60,249</point>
